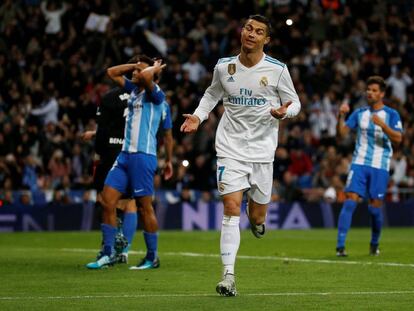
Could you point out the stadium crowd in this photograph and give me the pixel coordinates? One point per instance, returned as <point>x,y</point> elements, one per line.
<point>53,57</point>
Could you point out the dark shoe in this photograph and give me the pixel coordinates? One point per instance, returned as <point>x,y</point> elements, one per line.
<point>257,230</point>
<point>374,250</point>
<point>340,252</point>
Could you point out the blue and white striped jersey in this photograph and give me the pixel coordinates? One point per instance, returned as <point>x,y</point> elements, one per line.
<point>373,147</point>
<point>144,114</point>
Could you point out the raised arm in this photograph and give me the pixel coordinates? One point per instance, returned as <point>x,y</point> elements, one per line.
<point>341,128</point>
<point>147,75</point>
<point>116,73</point>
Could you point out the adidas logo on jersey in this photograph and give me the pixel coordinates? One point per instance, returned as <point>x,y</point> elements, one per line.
<point>231,79</point>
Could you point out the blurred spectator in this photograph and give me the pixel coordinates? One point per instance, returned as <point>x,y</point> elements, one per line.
<point>399,82</point>
<point>194,68</point>
<point>48,111</point>
<point>398,167</point>
<point>53,15</point>
<point>52,77</point>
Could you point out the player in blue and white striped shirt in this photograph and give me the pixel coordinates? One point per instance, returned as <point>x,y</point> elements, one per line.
<point>136,165</point>
<point>378,127</point>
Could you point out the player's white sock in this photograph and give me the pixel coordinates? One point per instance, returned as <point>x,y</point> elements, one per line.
<point>229,242</point>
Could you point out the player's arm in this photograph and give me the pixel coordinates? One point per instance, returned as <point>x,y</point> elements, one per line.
<point>290,100</point>
<point>394,135</point>
<point>147,75</point>
<point>342,128</point>
<point>169,144</point>
<point>147,80</point>
<point>88,135</point>
<point>207,103</point>
<point>116,73</point>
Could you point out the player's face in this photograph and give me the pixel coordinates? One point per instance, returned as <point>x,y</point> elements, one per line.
<point>137,72</point>
<point>254,36</point>
<point>374,94</point>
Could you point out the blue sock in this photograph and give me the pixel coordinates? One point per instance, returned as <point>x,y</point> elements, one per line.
<point>344,221</point>
<point>129,226</point>
<point>108,235</point>
<point>151,240</point>
<point>376,224</point>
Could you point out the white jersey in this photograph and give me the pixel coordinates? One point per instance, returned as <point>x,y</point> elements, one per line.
<point>247,131</point>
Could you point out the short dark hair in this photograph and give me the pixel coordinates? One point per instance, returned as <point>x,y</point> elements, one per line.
<point>141,58</point>
<point>262,19</point>
<point>377,80</point>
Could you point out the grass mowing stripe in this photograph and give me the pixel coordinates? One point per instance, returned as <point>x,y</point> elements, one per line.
<point>209,295</point>
<point>285,259</point>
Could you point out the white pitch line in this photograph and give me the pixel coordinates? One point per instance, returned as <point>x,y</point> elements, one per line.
<point>284,259</point>
<point>191,295</point>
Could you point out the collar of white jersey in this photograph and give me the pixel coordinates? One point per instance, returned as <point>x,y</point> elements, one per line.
<point>253,67</point>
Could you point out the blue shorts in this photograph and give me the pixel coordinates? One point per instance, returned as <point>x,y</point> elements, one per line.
<point>365,180</point>
<point>134,172</point>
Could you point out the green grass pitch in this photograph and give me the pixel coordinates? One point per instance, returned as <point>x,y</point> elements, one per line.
<point>286,270</point>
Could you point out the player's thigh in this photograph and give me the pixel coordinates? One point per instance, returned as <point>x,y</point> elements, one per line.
<point>378,183</point>
<point>232,175</point>
<point>117,177</point>
<point>261,180</point>
<point>357,180</point>
<point>141,173</point>
<point>102,169</point>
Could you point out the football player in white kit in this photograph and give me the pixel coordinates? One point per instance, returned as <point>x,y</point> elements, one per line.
<point>257,92</point>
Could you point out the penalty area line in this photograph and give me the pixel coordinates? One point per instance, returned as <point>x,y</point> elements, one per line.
<point>200,295</point>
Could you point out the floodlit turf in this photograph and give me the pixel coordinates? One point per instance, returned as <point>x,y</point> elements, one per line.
<point>286,270</point>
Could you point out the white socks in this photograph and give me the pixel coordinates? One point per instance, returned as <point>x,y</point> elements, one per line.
<point>229,242</point>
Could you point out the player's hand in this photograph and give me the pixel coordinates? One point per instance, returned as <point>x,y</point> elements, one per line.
<point>88,135</point>
<point>157,67</point>
<point>344,109</point>
<point>377,120</point>
<point>168,170</point>
<point>190,124</point>
<point>280,113</point>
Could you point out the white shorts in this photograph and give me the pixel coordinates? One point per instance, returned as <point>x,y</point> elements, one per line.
<point>256,178</point>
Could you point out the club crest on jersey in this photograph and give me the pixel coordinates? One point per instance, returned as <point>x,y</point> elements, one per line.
<point>231,69</point>
<point>263,81</point>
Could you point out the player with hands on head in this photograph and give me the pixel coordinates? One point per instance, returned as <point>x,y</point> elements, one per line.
<point>136,165</point>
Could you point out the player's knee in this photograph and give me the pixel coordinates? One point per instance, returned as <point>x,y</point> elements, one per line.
<point>145,210</point>
<point>231,208</point>
<point>108,203</point>
<point>375,203</point>
<point>352,196</point>
<point>131,207</point>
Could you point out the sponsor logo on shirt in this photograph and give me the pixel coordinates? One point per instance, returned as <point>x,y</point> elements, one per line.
<point>116,141</point>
